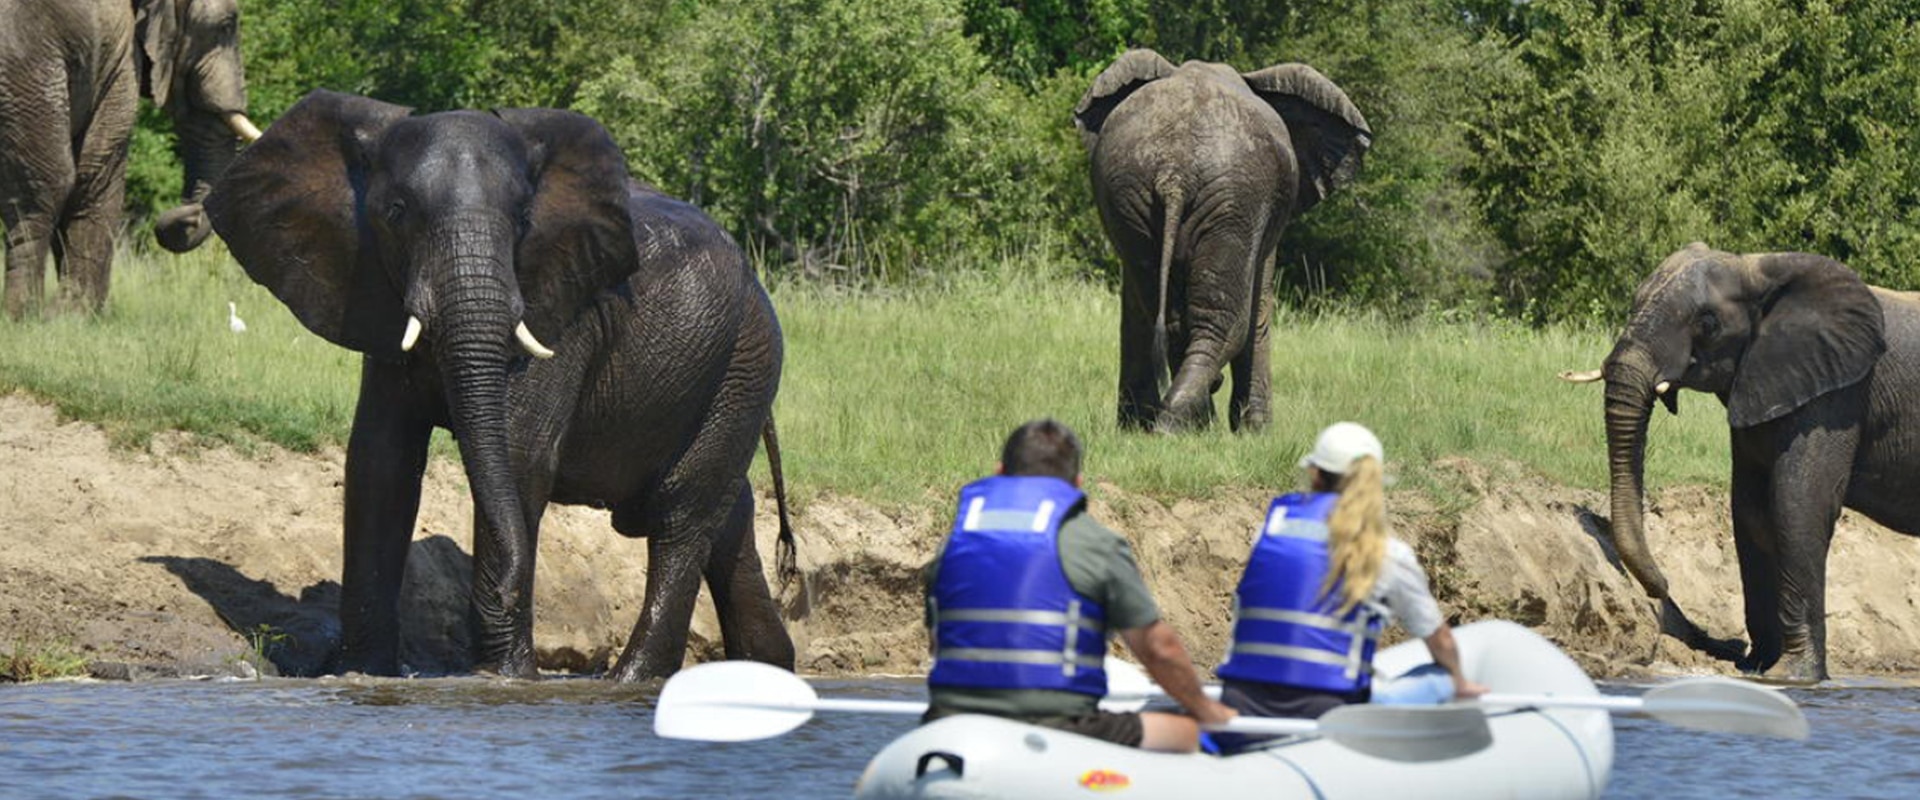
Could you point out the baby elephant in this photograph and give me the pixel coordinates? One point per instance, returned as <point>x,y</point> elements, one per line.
<point>585,338</point>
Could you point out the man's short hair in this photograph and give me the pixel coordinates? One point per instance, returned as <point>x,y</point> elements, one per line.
<point>1042,447</point>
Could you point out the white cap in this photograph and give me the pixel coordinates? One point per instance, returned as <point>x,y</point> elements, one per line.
<point>1340,445</point>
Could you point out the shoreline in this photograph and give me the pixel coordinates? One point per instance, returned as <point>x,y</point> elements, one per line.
<point>187,554</point>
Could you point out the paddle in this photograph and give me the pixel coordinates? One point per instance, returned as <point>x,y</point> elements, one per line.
<point>737,701</point>
<point>1717,704</point>
<point>1711,703</point>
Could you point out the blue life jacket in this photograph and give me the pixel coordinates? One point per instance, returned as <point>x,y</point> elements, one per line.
<point>1005,616</point>
<point>1284,630</point>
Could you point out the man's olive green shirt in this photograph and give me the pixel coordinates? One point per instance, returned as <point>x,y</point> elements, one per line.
<point>1099,564</point>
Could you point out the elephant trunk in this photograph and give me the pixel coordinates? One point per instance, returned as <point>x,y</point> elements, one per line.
<point>1631,378</point>
<point>206,149</point>
<point>472,329</point>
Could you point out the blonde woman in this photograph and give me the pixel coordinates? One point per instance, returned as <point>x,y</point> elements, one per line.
<point>1325,577</point>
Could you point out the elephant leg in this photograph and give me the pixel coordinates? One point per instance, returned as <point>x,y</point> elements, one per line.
<point>36,179</point>
<point>94,211</point>
<point>386,459</point>
<point>1249,408</point>
<point>1139,379</point>
<point>1217,303</point>
<point>749,618</point>
<point>1809,487</point>
<point>1753,543</point>
<point>678,551</point>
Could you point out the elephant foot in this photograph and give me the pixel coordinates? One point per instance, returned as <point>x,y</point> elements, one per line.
<point>510,672</point>
<point>632,671</point>
<point>1793,669</point>
<point>360,665</point>
<point>1251,422</point>
<point>514,665</point>
<point>1797,662</point>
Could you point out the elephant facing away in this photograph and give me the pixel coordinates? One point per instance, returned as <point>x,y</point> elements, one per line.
<point>448,249</point>
<point>1196,171</point>
<point>1820,376</point>
<point>71,75</point>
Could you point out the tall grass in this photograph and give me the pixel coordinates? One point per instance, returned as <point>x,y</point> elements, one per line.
<point>899,395</point>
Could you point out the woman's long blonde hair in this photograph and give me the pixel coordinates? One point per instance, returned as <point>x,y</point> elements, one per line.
<point>1357,534</point>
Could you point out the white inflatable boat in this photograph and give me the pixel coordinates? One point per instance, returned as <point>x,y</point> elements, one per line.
<point>1536,753</point>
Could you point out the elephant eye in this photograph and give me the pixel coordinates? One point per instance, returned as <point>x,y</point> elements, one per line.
<point>395,210</point>
<point>1709,324</point>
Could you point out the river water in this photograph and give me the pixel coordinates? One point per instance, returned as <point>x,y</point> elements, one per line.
<point>582,738</point>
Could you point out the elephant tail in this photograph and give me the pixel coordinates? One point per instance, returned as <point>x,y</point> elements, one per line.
<point>1170,202</point>
<point>786,549</point>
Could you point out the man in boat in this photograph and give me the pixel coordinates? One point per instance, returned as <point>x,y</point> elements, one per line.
<point>1325,577</point>
<point>1024,594</point>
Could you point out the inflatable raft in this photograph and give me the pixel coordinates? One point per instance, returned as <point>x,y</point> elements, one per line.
<point>1536,753</point>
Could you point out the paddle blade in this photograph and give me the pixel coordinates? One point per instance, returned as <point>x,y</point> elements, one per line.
<point>1395,733</point>
<point>732,701</point>
<point>1725,705</point>
<point>1409,733</point>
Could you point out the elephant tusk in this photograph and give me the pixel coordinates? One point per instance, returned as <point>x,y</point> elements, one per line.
<point>1662,387</point>
<point>534,347</point>
<point>1580,377</point>
<point>242,127</point>
<point>412,336</point>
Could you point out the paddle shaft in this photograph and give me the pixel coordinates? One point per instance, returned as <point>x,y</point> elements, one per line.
<point>1597,702</point>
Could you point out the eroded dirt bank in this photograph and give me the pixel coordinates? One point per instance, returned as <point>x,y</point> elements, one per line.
<point>185,557</point>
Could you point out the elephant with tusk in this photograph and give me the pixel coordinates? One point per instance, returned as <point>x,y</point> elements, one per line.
<point>1820,376</point>
<point>71,77</point>
<point>449,247</point>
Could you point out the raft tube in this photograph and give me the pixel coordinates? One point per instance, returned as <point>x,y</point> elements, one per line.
<point>1536,753</point>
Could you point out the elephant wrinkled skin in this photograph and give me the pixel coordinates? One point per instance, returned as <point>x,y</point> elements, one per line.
<point>1820,375</point>
<point>71,75</point>
<point>442,245</point>
<point>1196,171</point>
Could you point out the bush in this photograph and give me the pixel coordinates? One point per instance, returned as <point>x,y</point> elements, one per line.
<point>1747,124</point>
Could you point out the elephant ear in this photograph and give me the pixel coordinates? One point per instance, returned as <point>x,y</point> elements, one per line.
<point>157,28</point>
<point>1820,329</point>
<point>579,237</point>
<point>289,209</point>
<point>1132,70</point>
<point>1328,134</point>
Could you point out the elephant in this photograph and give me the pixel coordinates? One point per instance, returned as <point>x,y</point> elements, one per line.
<point>440,246</point>
<point>71,75</point>
<point>1196,171</point>
<point>1820,376</point>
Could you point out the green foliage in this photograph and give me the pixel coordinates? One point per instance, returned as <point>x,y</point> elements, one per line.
<point>431,54</point>
<point>27,662</point>
<point>1534,158</point>
<point>1030,41</point>
<point>840,135</point>
<point>1748,124</point>
<point>263,641</point>
<point>154,177</point>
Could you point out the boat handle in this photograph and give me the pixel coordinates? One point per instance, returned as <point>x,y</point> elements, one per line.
<point>955,764</point>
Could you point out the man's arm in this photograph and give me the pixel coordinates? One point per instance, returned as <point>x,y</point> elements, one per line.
<point>1159,649</point>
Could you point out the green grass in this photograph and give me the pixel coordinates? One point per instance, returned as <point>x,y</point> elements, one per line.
<point>900,395</point>
<point>40,661</point>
